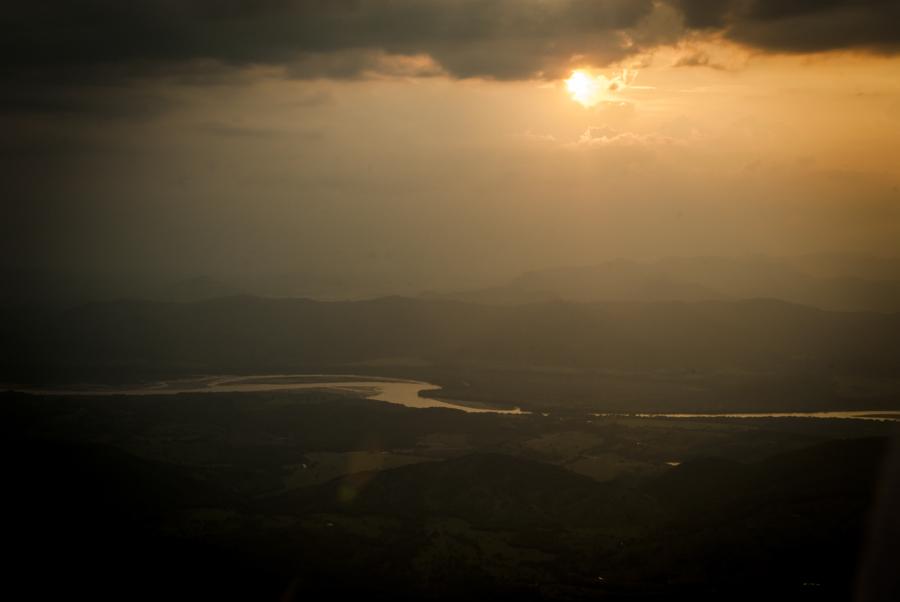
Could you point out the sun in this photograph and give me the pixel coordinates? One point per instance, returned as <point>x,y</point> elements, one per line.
<point>582,88</point>
<point>588,89</point>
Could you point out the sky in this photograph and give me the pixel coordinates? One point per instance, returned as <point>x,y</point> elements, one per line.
<point>443,140</point>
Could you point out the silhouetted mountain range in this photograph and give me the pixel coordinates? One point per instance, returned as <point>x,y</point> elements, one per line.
<point>840,282</point>
<point>695,279</point>
<point>248,334</point>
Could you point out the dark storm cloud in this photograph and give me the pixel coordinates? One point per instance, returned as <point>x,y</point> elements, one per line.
<point>701,14</point>
<point>503,39</point>
<point>799,25</point>
<point>74,56</point>
<point>101,41</point>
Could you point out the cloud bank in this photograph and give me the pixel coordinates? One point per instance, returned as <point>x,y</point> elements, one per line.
<point>798,26</point>
<point>86,40</point>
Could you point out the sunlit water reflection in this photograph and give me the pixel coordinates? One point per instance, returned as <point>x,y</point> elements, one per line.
<point>878,415</point>
<point>402,392</point>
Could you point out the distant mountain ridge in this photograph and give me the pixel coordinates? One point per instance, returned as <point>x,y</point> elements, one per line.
<point>247,334</point>
<point>692,279</point>
<point>839,282</point>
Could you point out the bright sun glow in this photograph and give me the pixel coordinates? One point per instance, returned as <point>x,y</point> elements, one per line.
<point>588,89</point>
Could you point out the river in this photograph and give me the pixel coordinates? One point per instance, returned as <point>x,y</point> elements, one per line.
<point>878,415</point>
<point>402,392</point>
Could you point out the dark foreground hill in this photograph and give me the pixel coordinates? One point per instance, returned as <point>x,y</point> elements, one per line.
<point>314,495</point>
<point>93,520</point>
